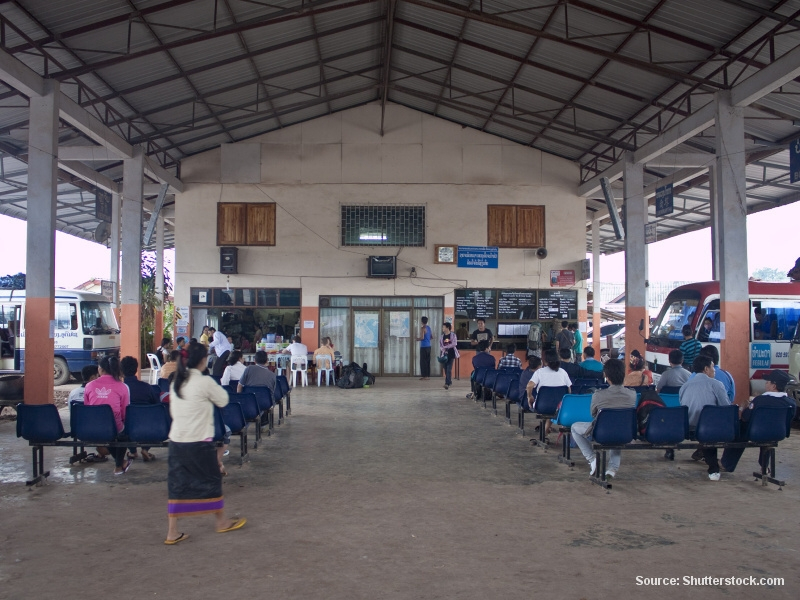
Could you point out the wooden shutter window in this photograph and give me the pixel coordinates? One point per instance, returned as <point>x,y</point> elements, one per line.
<point>261,224</point>
<point>530,227</point>
<point>231,224</point>
<point>502,225</point>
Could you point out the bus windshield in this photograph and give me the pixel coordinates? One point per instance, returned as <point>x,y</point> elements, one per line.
<point>675,313</point>
<point>98,318</point>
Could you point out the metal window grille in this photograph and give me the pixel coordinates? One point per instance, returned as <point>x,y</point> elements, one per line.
<point>383,225</point>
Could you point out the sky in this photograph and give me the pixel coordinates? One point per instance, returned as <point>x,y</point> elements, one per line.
<point>772,241</point>
<point>77,260</point>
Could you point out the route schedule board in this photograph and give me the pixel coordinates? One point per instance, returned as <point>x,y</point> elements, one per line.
<point>476,304</point>
<point>558,304</point>
<point>516,304</point>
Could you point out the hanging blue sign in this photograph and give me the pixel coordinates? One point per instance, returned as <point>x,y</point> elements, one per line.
<point>478,257</point>
<point>794,161</point>
<point>664,205</point>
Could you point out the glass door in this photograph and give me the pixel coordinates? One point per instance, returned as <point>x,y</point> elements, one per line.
<point>398,341</point>
<point>366,339</point>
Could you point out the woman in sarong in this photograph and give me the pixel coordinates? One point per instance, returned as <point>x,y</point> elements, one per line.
<point>194,480</point>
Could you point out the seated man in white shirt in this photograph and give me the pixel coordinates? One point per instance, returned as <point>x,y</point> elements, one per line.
<point>296,348</point>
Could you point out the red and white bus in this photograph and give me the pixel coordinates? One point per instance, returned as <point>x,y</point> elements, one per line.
<point>774,314</point>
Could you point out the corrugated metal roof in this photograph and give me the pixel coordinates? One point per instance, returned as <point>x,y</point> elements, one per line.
<point>572,78</point>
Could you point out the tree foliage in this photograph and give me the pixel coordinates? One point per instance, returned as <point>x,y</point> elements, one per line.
<point>149,303</point>
<point>769,274</point>
<point>13,282</point>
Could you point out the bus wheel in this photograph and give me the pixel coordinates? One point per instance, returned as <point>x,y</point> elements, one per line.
<point>60,371</point>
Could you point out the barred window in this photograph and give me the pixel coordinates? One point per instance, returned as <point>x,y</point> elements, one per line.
<point>383,225</point>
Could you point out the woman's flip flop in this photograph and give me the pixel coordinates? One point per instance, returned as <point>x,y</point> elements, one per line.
<point>237,524</point>
<point>177,540</point>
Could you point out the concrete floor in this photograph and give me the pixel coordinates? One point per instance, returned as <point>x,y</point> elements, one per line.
<point>403,490</point>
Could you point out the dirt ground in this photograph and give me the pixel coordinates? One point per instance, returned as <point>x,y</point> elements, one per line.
<point>403,490</point>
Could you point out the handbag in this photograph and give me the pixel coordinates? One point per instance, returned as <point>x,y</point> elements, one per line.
<point>442,359</point>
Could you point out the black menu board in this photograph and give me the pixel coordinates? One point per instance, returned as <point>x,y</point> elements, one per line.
<point>558,304</point>
<point>516,304</point>
<point>476,304</point>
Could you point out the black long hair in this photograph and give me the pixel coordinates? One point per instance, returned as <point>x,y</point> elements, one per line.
<point>110,365</point>
<point>195,355</point>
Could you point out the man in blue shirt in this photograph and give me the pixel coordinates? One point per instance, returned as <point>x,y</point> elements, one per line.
<point>482,358</point>
<point>720,375</point>
<point>590,363</point>
<point>424,340</point>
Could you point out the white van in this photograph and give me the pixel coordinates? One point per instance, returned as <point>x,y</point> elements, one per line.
<point>85,330</point>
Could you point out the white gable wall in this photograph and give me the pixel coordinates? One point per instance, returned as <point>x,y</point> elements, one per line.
<point>310,169</point>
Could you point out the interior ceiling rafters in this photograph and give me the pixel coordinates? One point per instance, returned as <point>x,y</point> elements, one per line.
<point>179,77</point>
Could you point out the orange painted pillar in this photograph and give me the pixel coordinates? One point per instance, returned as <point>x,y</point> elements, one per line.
<point>131,288</point>
<point>40,258</point>
<point>310,335</point>
<point>635,260</point>
<point>731,216</point>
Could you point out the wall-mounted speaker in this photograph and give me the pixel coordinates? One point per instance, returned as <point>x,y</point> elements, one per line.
<point>541,253</point>
<point>229,260</point>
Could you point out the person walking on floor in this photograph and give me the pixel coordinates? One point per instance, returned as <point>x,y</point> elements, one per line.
<point>424,340</point>
<point>194,480</point>
<point>448,350</point>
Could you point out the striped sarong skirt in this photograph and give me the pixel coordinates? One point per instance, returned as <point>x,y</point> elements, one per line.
<point>194,481</point>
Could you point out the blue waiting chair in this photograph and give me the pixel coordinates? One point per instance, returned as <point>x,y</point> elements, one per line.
<point>265,404</point>
<point>769,424</point>
<point>488,384</point>
<point>512,397</point>
<point>670,400</point>
<point>233,417</point>
<point>613,427</point>
<point>668,425</point>
<point>717,424</point>
<point>39,424</point>
<point>251,411</point>
<point>574,408</point>
<point>670,389</point>
<point>477,382</point>
<point>158,391</point>
<point>163,384</point>
<point>545,408</point>
<point>505,380</point>
<point>147,423</point>
<point>94,425</point>
<point>282,384</point>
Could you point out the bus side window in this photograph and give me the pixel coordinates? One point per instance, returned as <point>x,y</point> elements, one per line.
<point>776,319</point>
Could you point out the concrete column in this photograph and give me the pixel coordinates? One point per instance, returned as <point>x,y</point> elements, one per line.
<point>131,288</point>
<point>115,240</point>
<point>41,245</point>
<point>713,204</point>
<point>635,259</point>
<point>731,193</point>
<point>596,287</point>
<point>159,317</point>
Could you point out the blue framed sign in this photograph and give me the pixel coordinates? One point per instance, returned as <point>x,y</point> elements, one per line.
<point>794,161</point>
<point>478,257</point>
<point>664,204</point>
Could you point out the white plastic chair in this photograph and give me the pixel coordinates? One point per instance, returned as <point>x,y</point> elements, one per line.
<point>325,365</point>
<point>155,368</point>
<point>300,365</point>
<point>282,363</point>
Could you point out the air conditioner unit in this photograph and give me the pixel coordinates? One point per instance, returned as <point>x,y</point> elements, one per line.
<point>383,267</point>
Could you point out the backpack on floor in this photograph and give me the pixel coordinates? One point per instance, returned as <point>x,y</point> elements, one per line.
<point>352,377</point>
<point>649,400</point>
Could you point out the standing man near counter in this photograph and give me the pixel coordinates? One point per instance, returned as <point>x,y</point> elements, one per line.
<point>424,340</point>
<point>222,348</point>
<point>481,333</point>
